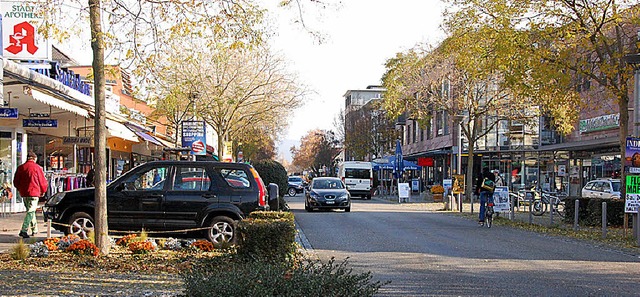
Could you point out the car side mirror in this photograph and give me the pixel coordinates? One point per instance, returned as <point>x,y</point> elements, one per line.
<point>120,187</point>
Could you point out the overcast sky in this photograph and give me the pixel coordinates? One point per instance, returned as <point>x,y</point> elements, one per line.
<point>360,36</point>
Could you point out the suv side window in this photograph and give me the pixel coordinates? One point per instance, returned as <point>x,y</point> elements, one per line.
<point>606,187</point>
<point>236,178</point>
<point>150,180</point>
<point>589,186</point>
<point>191,179</point>
<point>599,186</point>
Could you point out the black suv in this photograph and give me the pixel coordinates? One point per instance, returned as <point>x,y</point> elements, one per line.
<point>167,196</point>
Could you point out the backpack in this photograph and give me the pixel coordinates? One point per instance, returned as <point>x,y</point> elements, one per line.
<point>488,184</point>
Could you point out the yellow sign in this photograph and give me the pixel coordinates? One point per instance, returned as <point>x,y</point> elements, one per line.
<point>228,152</point>
<point>458,184</point>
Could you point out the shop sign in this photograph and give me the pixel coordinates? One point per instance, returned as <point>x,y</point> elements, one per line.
<point>600,123</point>
<point>632,187</point>
<point>39,115</point>
<point>8,113</point>
<point>65,76</point>
<point>40,123</point>
<point>84,141</point>
<point>20,37</point>
<point>632,155</point>
<point>193,137</point>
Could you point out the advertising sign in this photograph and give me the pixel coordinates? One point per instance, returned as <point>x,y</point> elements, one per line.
<point>20,37</point>
<point>81,141</point>
<point>632,201</point>
<point>447,184</point>
<point>632,155</point>
<point>458,184</point>
<point>403,191</point>
<point>501,199</point>
<point>193,137</point>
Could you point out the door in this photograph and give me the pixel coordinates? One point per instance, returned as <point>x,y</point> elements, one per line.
<point>190,192</point>
<point>136,203</point>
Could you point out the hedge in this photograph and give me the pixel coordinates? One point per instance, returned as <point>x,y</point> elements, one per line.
<point>590,211</point>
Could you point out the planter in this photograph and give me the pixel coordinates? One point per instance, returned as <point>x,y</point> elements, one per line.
<point>437,197</point>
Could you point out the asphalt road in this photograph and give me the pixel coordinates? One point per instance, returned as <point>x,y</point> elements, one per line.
<point>430,253</point>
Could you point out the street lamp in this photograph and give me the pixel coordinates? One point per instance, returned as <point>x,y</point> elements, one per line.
<point>458,120</point>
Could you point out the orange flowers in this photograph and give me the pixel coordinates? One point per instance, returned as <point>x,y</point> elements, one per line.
<point>126,240</point>
<point>141,247</point>
<point>84,248</point>
<point>52,243</point>
<point>203,245</point>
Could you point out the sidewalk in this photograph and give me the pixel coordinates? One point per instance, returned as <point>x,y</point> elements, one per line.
<point>11,224</point>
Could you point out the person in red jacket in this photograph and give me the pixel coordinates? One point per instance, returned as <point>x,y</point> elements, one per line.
<point>31,184</point>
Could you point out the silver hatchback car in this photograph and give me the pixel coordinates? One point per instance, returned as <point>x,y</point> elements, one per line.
<point>602,188</point>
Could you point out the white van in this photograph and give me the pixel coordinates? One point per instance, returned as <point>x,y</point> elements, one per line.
<point>358,177</point>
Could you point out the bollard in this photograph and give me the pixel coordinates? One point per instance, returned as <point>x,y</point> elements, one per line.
<point>530,214</point>
<point>550,212</point>
<point>512,215</point>
<point>273,192</point>
<point>604,220</point>
<point>575,215</point>
<point>48,228</point>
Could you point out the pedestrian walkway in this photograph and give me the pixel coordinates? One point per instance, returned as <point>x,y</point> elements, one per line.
<point>11,224</point>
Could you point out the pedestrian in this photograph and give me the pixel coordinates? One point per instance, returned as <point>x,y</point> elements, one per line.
<point>31,184</point>
<point>90,177</point>
<point>484,188</point>
<point>498,178</point>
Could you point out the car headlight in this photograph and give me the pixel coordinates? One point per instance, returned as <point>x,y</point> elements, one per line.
<point>55,199</point>
<point>344,196</point>
<point>314,195</point>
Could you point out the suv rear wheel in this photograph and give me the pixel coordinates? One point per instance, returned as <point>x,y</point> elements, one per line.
<point>80,223</point>
<point>222,230</point>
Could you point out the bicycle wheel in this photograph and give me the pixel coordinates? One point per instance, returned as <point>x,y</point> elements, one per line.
<point>538,208</point>
<point>488,217</point>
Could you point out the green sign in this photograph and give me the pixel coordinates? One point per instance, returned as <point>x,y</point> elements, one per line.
<point>632,201</point>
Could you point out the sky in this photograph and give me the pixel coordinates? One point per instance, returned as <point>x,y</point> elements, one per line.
<point>360,35</point>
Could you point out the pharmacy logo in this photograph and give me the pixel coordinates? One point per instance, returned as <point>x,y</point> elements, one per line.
<point>23,34</point>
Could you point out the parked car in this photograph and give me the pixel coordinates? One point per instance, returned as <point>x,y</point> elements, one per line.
<point>167,196</point>
<point>602,188</point>
<point>296,185</point>
<point>327,193</point>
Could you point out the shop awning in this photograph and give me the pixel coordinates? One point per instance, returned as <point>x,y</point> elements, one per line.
<point>116,129</point>
<point>144,135</point>
<point>59,103</point>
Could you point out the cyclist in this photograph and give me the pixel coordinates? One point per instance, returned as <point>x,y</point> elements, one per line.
<point>485,191</point>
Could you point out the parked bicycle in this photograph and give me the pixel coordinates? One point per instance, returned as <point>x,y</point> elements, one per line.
<point>544,201</point>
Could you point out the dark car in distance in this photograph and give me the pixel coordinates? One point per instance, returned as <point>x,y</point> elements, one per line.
<point>296,185</point>
<point>167,196</point>
<point>327,193</point>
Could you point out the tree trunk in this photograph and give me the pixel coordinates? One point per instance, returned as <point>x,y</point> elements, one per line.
<point>100,140</point>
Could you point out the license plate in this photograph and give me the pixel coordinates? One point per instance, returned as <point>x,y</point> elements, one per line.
<point>331,202</point>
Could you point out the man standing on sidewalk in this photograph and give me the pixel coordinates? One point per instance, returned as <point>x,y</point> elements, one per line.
<point>31,184</point>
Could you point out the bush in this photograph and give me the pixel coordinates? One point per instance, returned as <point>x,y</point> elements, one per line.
<point>267,239</point>
<point>124,241</point>
<point>20,251</point>
<point>142,247</point>
<point>258,278</point>
<point>590,211</point>
<point>272,215</point>
<point>273,172</point>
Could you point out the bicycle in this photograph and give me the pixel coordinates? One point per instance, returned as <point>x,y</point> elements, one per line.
<point>488,214</point>
<point>552,201</point>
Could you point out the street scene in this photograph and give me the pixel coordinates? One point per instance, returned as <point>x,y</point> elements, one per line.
<point>426,252</point>
<point>319,148</point>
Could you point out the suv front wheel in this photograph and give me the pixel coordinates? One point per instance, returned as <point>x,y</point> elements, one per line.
<point>222,230</point>
<point>80,223</point>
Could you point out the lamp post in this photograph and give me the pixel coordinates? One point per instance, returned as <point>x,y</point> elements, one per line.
<point>458,120</point>
<point>634,61</point>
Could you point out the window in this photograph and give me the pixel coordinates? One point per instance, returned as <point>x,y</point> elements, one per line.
<point>191,179</point>
<point>357,173</point>
<point>150,180</point>
<point>236,178</point>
